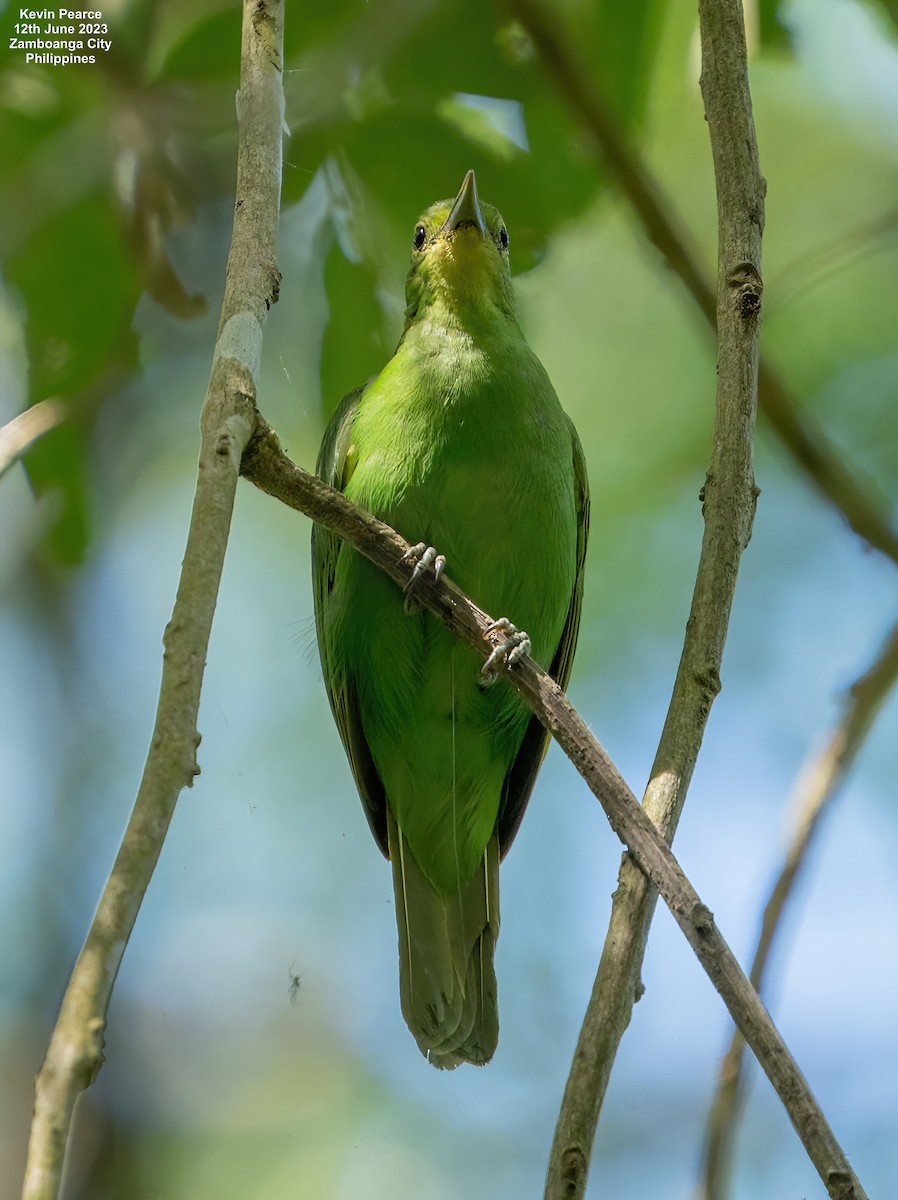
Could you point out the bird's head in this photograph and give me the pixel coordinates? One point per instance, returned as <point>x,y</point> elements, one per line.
<point>460,261</point>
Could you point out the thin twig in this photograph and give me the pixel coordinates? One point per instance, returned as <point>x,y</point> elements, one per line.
<point>817,786</point>
<point>267,467</point>
<point>863,508</point>
<point>19,435</point>
<point>729,497</point>
<point>75,1052</point>
<point>837,254</point>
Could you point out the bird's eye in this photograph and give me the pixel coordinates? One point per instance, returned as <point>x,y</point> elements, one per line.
<point>420,237</point>
<point>503,238</point>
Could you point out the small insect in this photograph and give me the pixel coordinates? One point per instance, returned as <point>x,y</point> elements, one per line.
<point>295,984</point>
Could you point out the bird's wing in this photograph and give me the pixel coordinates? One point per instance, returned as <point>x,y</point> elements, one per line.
<point>522,775</point>
<point>326,550</point>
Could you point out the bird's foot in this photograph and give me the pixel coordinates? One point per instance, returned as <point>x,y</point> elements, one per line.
<point>426,560</point>
<point>511,650</point>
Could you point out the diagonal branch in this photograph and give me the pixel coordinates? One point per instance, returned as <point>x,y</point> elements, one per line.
<point>824,465</point>
<point>267,467</point>
<point>817,786</point>
<point>75,1052</point>
<point>729,497</point>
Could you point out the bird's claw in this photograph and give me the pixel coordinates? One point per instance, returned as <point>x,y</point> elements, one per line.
<point>512,649</point>
<point>426,560</point>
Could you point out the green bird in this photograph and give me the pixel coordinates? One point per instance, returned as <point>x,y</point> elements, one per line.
<point>460,443</point>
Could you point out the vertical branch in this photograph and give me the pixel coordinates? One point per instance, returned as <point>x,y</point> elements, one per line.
<point>75,1052</point>
<point>728,505</point>
<point>817,785</point>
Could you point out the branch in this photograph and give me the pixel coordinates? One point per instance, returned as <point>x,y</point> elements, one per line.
<point>75,1052</point>
<point>267,467</point>
<point>866,514</point>
<point>729,500</point>
<point>19,435</point>
<point>817,786</point>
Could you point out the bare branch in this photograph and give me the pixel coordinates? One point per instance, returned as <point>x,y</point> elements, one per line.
<point>862,507</point>
<point>817,786</point>
<point>75,1052</point>
<point>729,498</point>
<point>267,467</point>
<point>19,435</point>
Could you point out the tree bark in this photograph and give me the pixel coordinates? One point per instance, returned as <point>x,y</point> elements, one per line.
<point>75,1053</point>
<point>728,505</point>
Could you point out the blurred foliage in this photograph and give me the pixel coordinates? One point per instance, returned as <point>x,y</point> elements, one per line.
<point>116,188</point>
<point>772,32</point>
<point>156,107</point>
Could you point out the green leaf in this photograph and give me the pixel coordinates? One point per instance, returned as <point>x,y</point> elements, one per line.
<point>354,345</point>
<point>79,285</point>
<point>207,50</point>
<point>624,40</point>
<point>773,33</point>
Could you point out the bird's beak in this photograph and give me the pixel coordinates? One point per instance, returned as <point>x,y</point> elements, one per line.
<point>466,209</point>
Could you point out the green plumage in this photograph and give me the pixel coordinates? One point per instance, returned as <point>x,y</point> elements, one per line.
<point>460,442</point>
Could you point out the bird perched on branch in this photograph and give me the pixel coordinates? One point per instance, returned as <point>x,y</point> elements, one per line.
<point>461,445</point>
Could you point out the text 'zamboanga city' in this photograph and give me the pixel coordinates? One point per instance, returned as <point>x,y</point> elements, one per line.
<point>60,36</point>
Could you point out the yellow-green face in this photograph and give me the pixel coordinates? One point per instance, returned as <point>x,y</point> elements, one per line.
<point>460,254</point>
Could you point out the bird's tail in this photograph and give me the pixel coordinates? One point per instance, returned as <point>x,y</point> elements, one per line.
<point>447,983</point>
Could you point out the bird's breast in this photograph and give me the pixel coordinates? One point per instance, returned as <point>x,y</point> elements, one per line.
<point>467,449</point>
